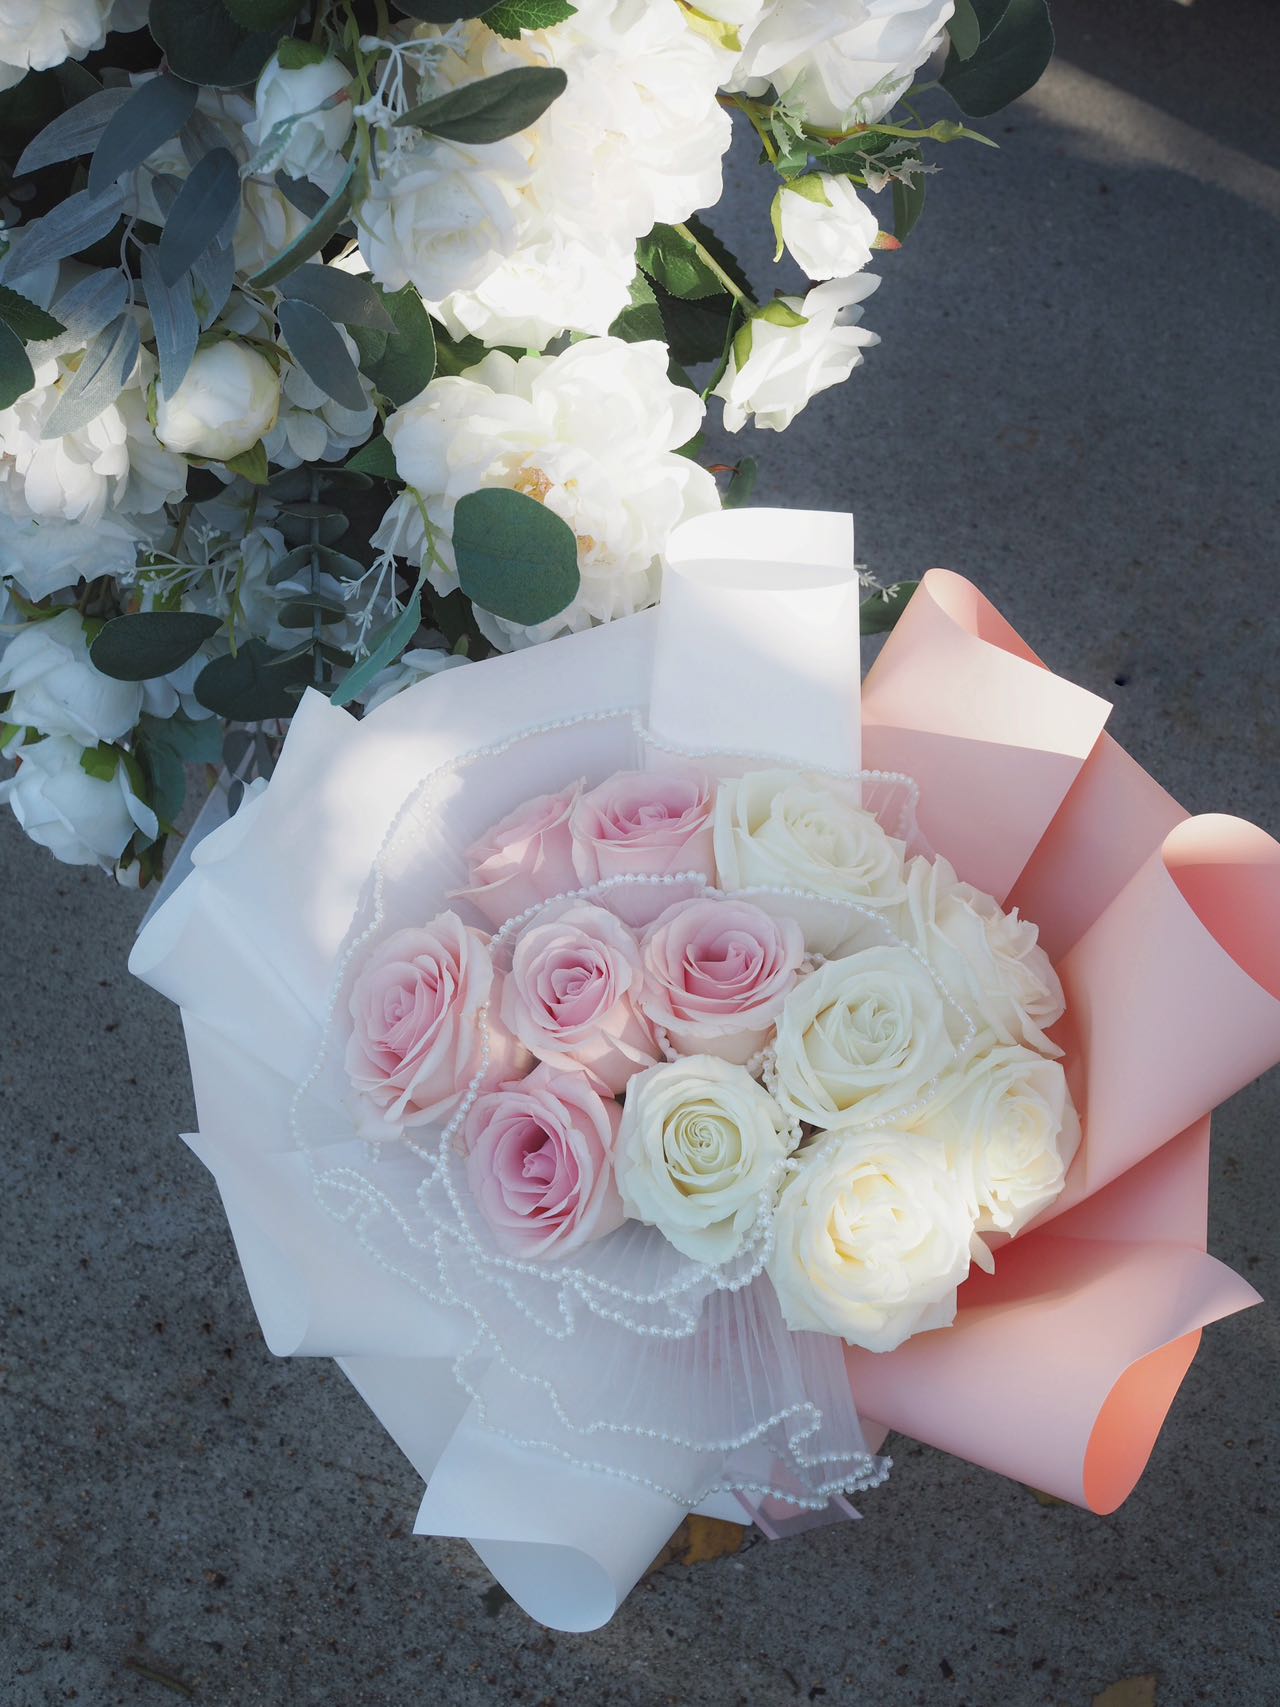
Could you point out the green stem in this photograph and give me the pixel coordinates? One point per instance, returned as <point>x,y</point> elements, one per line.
<point>709,261</point>
<point>745,105</point>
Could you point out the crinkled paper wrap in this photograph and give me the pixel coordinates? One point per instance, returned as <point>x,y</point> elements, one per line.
<point>1061,1366</point>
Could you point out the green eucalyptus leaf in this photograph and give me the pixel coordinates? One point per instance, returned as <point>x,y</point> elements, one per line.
<point>316,345</point>
<point>509,17</point>
<point>964,30</point>
<point>30,322</point>
<point>98,381</point>
<point>262,14</point>
<point>89,305</point>
<point>16,373</point>
<point>147,644</point>
<point>491,108</point>
<point>155,111</point>
<point>409,359</point>
<point>878,614</point>
<point>1007,62</point>
<point>203,42</point>
<point>515,557</point>
<point>342,296</point>
<point>313,237</point>
<point>252,683</point>
<point>206,204</point>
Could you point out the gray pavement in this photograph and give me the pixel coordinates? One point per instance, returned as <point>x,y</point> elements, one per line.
<point>1073,404</point>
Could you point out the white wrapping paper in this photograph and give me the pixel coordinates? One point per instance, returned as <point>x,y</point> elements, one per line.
<point>249,942</point>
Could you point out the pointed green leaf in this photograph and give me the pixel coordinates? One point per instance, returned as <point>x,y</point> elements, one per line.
<point>1007,62</point>
<point>313,237</point>
<point>70,226</point>
<point>342,296</point>
<point>251,464</point>
<point>386,652</point>
<point>31,323</point>
<point>72,133</point>
<point>98,381</point>
<point>316,345</point>
<point>100,762</point>
<point>376,458</point>
<point>964,30</point>
<point>492,108</point>
<point>173,316</point>
<point>155,111</point>
<point>16,373</point>
<point>252,683</point>
<point>408,361</point>
<point>295,55</point>
<point>206,204</point>
<point>509,17</point>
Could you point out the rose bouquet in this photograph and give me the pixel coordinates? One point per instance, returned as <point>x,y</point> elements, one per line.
<point>640,1072</point>
<point>314,317</point>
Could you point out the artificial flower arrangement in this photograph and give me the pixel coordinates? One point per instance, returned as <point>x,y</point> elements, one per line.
<point>655,1067</point>
<point>314,316</point>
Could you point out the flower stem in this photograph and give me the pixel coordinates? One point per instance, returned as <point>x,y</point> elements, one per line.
<point>709,261</point>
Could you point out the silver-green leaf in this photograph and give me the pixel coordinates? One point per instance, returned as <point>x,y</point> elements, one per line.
<point>205,208</point>
<point>316,345</point>
<point>98,381</point>
<point>155,111</point>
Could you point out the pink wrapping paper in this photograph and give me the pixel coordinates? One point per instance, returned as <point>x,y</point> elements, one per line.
<point>1165,929</point>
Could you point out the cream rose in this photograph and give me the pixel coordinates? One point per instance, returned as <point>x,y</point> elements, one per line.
<point>700,1148</point>
<point>990,960</point>
<point>56,689</point>
<point>861,1040</point>
<point>228,400</point>
<point>871,1239</point>
<point>792,349</point>
<point>826,229</point>
<point>1009,1131</point>
<point>807,832</point>
<point>81,819</point>
<point>307,109</point>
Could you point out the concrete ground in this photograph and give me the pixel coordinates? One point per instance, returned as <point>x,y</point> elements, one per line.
<point>1074,404</point>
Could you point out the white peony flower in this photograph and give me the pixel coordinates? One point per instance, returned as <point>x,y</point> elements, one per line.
<point>227,402</point>
<point>81,819</point>
<point>784,827</point>
<point>862,1039</point>
<point>826,229</point>
<point>840,62</point>
<point>56,689</point>
<point>551,427</point>
<point>36,35</point>
<point>792,349</point>
<point>410,668</point>
<point>1009,1132</point>
<point>699,1151</point>
<point>441,215</point>
<point>636,138</point>
<point>312,127</point>
<point>872,1238</point>
<point>990,960</point>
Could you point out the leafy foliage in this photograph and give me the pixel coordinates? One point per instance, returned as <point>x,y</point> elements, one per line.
<point>515,557</point>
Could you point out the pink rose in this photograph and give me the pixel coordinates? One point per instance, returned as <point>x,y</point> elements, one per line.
<point>416,1037</point>
<point>643,823</point>
<point>570,996</point>
<point>540,1162</point>
<point>716,973</point>
<point>525,858</point>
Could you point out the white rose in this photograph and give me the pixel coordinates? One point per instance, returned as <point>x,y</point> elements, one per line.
<point>990,960</point>
<point>227,401</point>
<point>827,230</point>
<point>442,216</point>
<point>841,62</point>
<point>792,349</point>
<point>57,690</point>
<point>792,828</point>
<point>872,1238</point>
<point>81,819</point>
<point>1009,1131</point>
<point>862,1039</point>
<point>553,281</point>
<point>551,427</point>
<point>700,1149</point>
<point>36,35</point>
<point>268,223</point>
<point>74,478</point>
<point>312,126</point>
